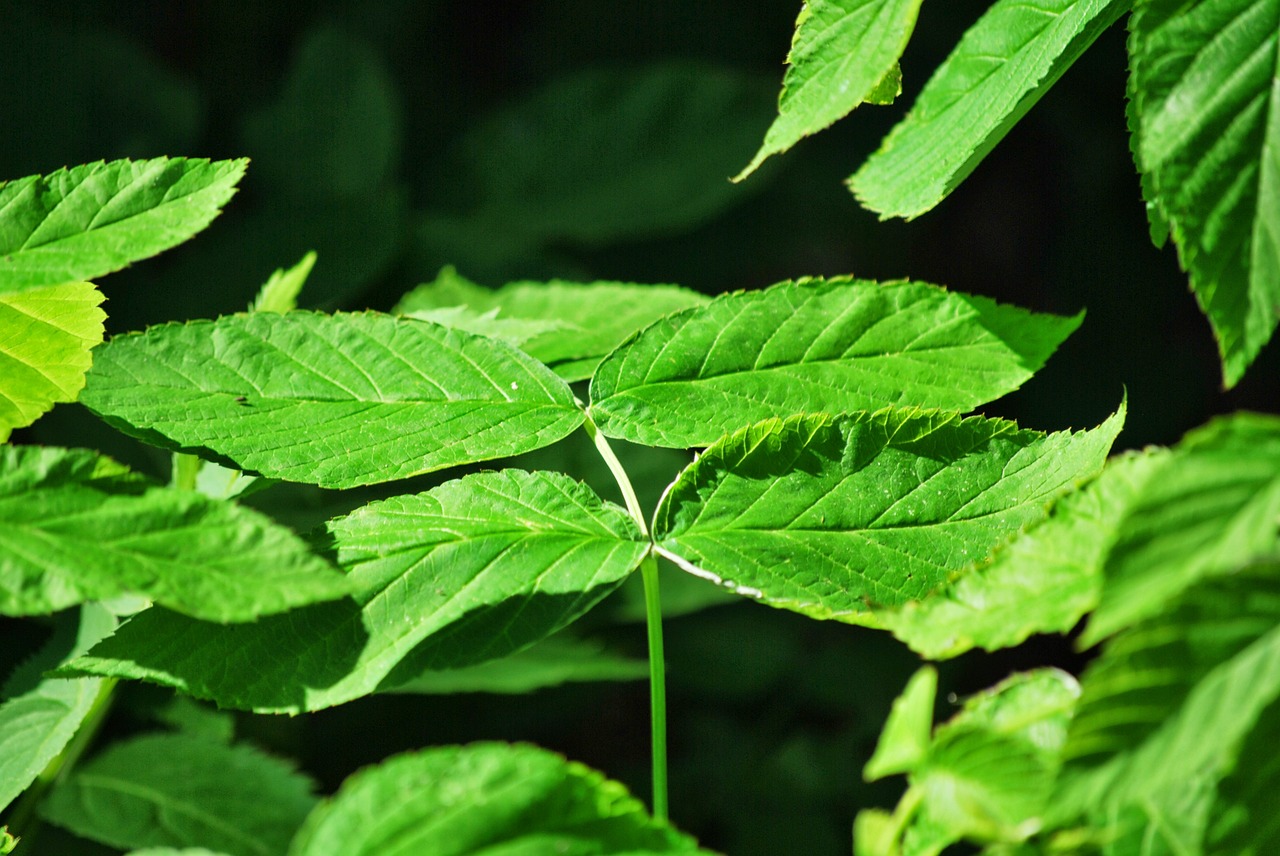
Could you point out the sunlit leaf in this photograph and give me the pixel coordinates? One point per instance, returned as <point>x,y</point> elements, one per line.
<point>281,290</point>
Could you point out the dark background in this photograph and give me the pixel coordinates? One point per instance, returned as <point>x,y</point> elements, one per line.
<point>594,141</point>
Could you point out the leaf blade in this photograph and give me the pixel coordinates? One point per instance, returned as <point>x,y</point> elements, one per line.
<point>815,346</point>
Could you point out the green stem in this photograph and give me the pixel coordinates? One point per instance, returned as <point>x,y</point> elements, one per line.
<point>653,622</point>
<point>59,767</point>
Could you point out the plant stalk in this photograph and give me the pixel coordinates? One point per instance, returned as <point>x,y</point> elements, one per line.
<point>653,623</point>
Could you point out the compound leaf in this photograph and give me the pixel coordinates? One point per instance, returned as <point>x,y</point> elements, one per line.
<point>475,569</point>
<point>87,221</point>
<point>581,322</point>
<point>1044,581</point>
<point>841,55</point>
<point>484,798</point>
<point>39,715</point>
<point>75,526</point>
<point>1003,65</point>
<point>1207,116</point>
<point>816,346</point>
<point>834,517</point>
<point>46,336</point>
<point>173,790</point>
<point>335,400</point>
<point>1214,506</point>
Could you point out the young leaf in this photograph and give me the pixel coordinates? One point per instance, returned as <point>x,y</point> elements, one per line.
<point>1169,705</point>
<point>816,346</point>
<point>1044,581</point>
<point>841,54</point>
<point>1208,128</point>
<point>46,335</point>
<point>475,569</point>
<point>1000,69</point>
<point>281,290</point>
<point>1214,506</point>
<point>987,774</point>
<point>87,221</point>
<point>335,400</point>
<point>583,321</point>
<point>179,791</point>
<point>40,716</point>
<point>833,517</point>
<point>75,526</point>
<point>904,742</point>
<point>549,663</point>
<point>484,798</point>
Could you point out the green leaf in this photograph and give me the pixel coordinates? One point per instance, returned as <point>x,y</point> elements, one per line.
<point>1044,581</point>
<point>1213,506</point>
<point>1248,800</point>
<point>281,290</point>
<point>475,569</point>
<point>39,716</point>
<point>1002,66</point>
<point>904,742</point>
<point>1208,131</point>
<point>551,662</point>
<point>834,517</point>
<point>480,799</point>
<point>334,400</point>
<point>1171,702</point>
<point>335,128</point>
<point>75,526</point>
<point>841,55</point>
<point>179,791</point>
<point>87,221</point>
<point>172,851</point>
<point>601,155</point>
<point>46,335</point>
<point>583,321</point>
<point>987,774</point>
<point>816,346</point>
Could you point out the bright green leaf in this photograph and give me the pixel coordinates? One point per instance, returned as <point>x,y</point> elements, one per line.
<point>475,569</point>
<point>179,791</point>
<point>281,290</point>
<point>551,662</point>
<point>480,799</point>
<point>1168,707</point>
<point>1246,816</point>
<point>1214,506</point>
<point>816,346</point>
<point>1044,581</point>
<point>75,526</point>
<point>334,400</point>
<point>1003,65</point>
<point>171,851</point>
<point>40,716</point>
<point>46,335</point>
<point>583,321</point>
<point>87,221</point>
<point>833,517</point>
<point>904,740</point>
<point>1208,141</point>
<point>841,55</point>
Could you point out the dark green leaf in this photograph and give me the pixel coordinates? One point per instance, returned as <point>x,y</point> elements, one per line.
<point>178,791</point>
<point>816,346</point>
<point>334,400</point>
<point>481,799</point>
<point>87,221</point>
<point>475,569</point>
<point>75,526</point>
<point>834,517</point>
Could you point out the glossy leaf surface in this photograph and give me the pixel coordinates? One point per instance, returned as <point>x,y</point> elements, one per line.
<point>81,223</point>
<point>484,798</point>
<point>46,336</point>
<point>334,400</point>
<point>474,569</point>
<point>816,347</point>
<point>75,526</point>
<point>833,517</point>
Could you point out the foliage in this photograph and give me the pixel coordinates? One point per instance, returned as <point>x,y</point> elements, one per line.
<point>472,492</point>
